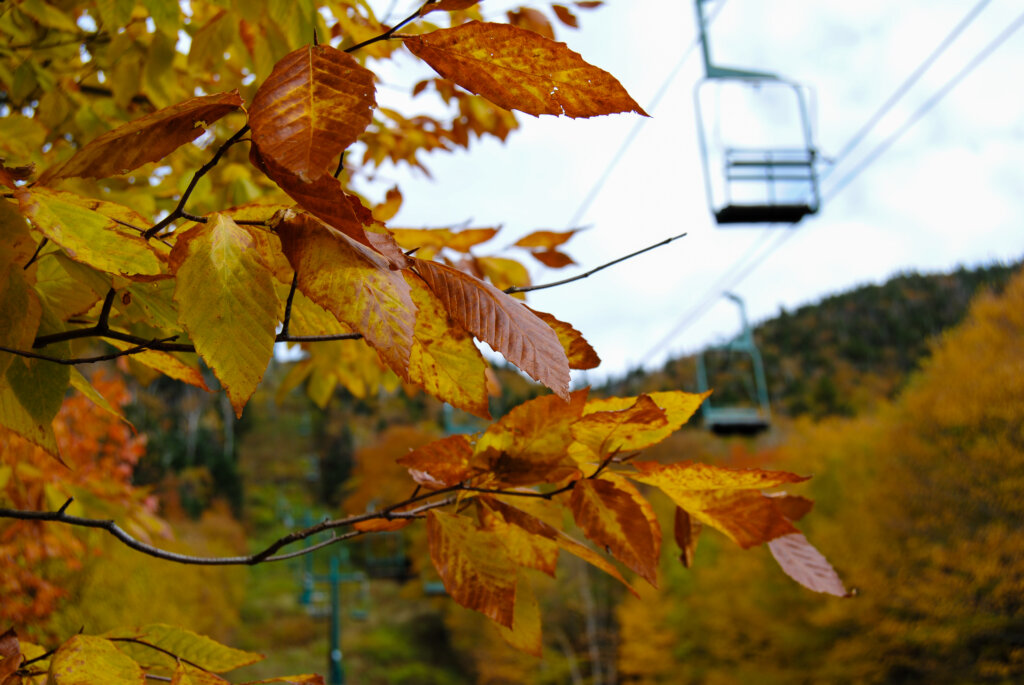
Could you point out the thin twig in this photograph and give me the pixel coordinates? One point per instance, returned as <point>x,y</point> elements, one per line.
<point>74,361</point>
<point>386,35</point>
<point>179,211</point>
<point>35,255</point>
<point>137,641</point>
<point>288,304</point>
<point>531,288</point>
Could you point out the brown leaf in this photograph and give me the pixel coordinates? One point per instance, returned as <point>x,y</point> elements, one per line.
<point>610,432</point>
<point>553,259</point>
<point>381,525</point>
<point>687,530</point>
<point>10,652</point>
<point>147,139</point>
<point>793,507</point>
<point>314,104</point>
<point>613,518</point>
<point>354,283</point>
<point>581,355</point>
<point>444,360</point>
<point>518,69</point>
<point>531,20</point>
<point>566,16</point>
<point>449,5</point>
<point>530,549</point>
<point>328,201</point>
<point>502,322</point>
<point>530,444</point>
<point>544,239</point>
<point>440,463</point>
<point>806,565</point>
<point>727,499</point>
<point>476,570</point>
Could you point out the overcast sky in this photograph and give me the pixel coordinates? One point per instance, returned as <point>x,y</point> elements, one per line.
<point>949,191</point>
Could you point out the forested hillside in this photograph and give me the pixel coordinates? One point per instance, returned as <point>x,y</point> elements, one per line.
<point>840,355</point>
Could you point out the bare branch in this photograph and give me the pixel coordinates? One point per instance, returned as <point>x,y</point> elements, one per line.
<point>530,288</point>
<point>179,211</point>
<point>386,35</point>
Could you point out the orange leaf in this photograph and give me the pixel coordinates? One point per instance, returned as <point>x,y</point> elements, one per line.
<point>588,555</point>
<point>518,69</point>
<point>314,104</point>
<point>678,406</point>
<point>392,203</point>
<point>793,507</point>
<point>449,5</point>
<point>444,360</point>
<point>440,463</point>
<point>581,355</point>
<point>533,549</point>
<point>545,240</point>
<point>353,283</point>
<point>502,322</point>
<point>553,259</point>
<point>613,518</point>
<point>727,499</point>
<point>531,20</point>
<point>609,432</point>
<point>502,272</point>
<point>476,570</point>
<point>566,16</point>
<point>687,530</point>
<point>327,200</point>
<point>147,139</point>
<point>530,444</point>
<point>525,634</point>
<point>806,565</point>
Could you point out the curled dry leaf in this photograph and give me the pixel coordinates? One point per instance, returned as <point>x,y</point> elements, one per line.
<point>314,104</point>
<point>806,565</point>
<point>518,69</point>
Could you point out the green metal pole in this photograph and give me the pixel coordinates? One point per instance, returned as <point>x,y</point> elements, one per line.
<point>334,666</point>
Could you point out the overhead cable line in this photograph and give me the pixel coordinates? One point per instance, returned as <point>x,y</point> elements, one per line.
<point>577,217</point>
<point>716,291</point>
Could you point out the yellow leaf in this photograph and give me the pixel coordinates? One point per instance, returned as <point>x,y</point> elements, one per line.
<point>87,235</point>
<point>626,430</point>
<point>727,499</point>
<point>20,310</point>
<point>678,407</point>
<point>85,659</point>
<point>166,363</point>
<point>613,518</point>
<point>518,69</point>
<point>534,549</point>
<point>525,633</point>
<point>189,675</point>
<point>502,322</point>
<point>353,283</point>
<point>444,360</point>
<point>184,644</point>
<point>476,570</point>
<point>147,139</point>
<point>82,385</point>
<point>314,104</point>
<point>227,303</point>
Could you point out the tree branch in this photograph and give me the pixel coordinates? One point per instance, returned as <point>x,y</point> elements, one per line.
<point>386,35</point>
<point>531,288</point>
<point>179,211</point>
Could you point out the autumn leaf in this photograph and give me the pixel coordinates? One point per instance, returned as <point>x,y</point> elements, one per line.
<point>579,352</point>
<point>530,546</point>
<point>31,392</point>
<point>449,5</point>
<point>10,653</point>
<point>441,463</point>
<point>87,235</point>
<point>227,302</point>
<point>166,363</point>
<point>355,284</point>
<point>626,430</point>
<point>89,659</point>
<point>502,322</point>
<point>566,16</point>
<point>678,407</point>
<point>545,240</point>
<point>314,104</point>
<point>444,360</point>
<point>525,633</point>
<point>687,531</point>
<point>199,650</point>
<point>518,69</point>
<point>306,679</point>
<point>147,139</point>
<point>531,20</point>
<point>553,259</point>
<point>20,309</point>
<point>476,570</point>
<point>806,565</point>
<point>727,499</point>
<point>530,444</point>
<point>189,675</point>
<point>613,518</point>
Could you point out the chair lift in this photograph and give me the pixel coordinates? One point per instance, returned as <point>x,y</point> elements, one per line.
<point>767,155</point>
<point>737,420</point>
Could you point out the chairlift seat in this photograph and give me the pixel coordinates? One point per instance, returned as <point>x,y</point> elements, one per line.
<point>763,214</point>
<point>736,421</point>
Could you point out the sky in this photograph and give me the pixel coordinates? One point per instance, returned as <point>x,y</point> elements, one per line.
<point>949,191</point>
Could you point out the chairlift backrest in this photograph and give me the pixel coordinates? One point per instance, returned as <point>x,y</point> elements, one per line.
<point>759,158</point>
